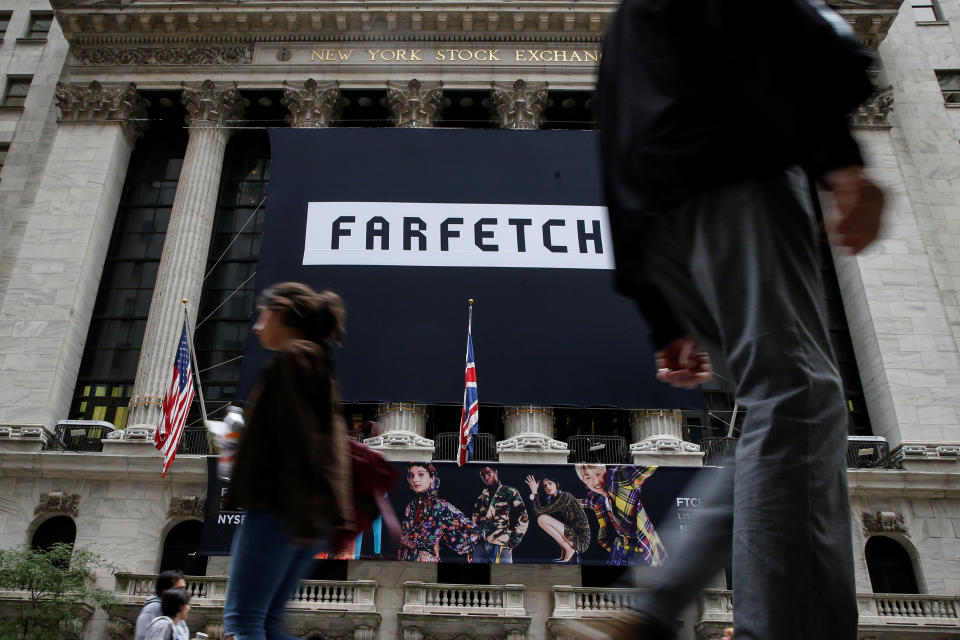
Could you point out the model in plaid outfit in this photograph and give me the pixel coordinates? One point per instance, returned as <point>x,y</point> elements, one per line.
<point>626,531</point>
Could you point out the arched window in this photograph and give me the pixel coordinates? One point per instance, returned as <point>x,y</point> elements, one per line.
<point>178,547</point>
<point>54,530</point>
<point>890,566</point>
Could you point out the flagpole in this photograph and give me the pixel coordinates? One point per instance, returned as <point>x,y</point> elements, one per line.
<point>196,375</point>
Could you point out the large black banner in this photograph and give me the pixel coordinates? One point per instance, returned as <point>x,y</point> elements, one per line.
<point>409,224</point>
<point>520,513</point>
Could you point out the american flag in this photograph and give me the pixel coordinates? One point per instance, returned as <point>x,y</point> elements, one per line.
<point>176,404</point>
<point>470,416</point>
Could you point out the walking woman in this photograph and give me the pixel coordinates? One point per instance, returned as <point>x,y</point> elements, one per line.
<point>561,515</point>
<point>429,520</point>
<point>292,469</point>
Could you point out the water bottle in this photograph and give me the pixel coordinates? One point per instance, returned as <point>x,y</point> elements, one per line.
<point>233,426</point>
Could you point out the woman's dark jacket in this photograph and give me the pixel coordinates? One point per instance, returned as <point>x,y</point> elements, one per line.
<point>293,457</point>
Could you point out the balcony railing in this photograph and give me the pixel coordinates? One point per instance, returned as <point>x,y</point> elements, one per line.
<point>194,441</point>
<point>869,452</point>
<point>598,449</point>
<point>716,450</point>
<point>898,608</point>
<point>447,446</point>
<point>576,602</point>
<point>878,611</point>
<point>463,599</point>
<point>211,591</point>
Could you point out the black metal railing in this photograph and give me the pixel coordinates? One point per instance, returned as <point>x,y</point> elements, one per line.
<point>598,449</point>
<point>194,441</point>
<point>81,435</point>
<point>868,452</point>
<point>716,450</point>
<point>447,445</point>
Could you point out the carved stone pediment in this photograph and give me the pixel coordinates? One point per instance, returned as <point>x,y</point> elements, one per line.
<point>884,522</point>
<point>873,113</point>
<point>186,506</point>
<point>58,502</point>
<point>200,55</point>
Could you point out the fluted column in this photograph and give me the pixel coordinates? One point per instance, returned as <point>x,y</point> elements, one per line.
<point>209,108</point>
<point>529,430</point>
<point>415,104</point>
<point>519,105</point>
<point>46,307</point>
<point>312,104</point>
<point>404,425</point>
<point>658,439</point>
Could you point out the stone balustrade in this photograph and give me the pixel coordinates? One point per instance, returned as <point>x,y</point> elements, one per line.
<point>577,602</point>
<point>463,599</point>
<point>350,595</point>
<point>897,608</point>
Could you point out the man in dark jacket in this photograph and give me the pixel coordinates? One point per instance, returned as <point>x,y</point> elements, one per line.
<point>170,579</point>
<point>712,115</point>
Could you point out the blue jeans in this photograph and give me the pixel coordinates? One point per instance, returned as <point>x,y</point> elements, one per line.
<point>486,552</point>
<point>265,570</point>
<point>740,267</point>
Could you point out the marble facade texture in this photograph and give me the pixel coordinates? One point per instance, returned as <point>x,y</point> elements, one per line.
<point>66,164</point>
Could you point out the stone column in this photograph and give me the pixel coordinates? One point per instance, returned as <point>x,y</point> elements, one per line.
<point>183,262</point>
<point>529,431</point>
<point>46,309</point>
<point>415,104</point>
<point>312,104</point>
<point>404,425</point>
<point>519,105</point>
<point>658,439</point>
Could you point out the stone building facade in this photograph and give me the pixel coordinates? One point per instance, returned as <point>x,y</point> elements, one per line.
<point>120,195</point>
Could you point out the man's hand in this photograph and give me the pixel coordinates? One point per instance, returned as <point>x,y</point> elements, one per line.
<point>683,364</point>
<point>859,206</point>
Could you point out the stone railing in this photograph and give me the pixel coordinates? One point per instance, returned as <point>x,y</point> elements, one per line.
<point>463,599</point>
<point>210,591</point>
<point>877,611</point>
<point>576,602</point>
<point>898,608</point>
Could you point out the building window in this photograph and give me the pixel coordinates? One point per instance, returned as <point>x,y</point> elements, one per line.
<point>16,93</point>
<point>227,301</point>
<point>949,80</point>
<point>54,530</point>
<point>890,567</point>
<point>39,25</point>
<point>927,11</point>
<point>180,547</point>
<point>112,348</point>
<point>4,22</point>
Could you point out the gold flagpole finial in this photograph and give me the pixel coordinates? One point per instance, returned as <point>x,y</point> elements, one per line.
<point>184,301</point>
<point>470,300</point>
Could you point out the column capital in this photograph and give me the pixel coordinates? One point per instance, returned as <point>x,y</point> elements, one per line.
<point>519,105</point>
<point>210,105</point>
<point>311,103</point>
<point>415,104</point>
<point>98,103</point>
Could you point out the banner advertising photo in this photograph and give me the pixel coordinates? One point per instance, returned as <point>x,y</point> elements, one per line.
<point>408,225</point>
<point>615,515</point>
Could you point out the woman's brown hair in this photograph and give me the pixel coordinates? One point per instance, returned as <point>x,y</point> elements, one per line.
<point>319,315</point>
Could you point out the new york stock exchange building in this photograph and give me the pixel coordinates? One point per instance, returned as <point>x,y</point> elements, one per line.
<point>418,154</point>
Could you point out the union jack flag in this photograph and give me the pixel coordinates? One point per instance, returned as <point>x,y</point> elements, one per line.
<point>470,415</point>
<point>176,404</point>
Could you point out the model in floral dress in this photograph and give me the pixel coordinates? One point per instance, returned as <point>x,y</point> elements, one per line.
<point>429,520</point>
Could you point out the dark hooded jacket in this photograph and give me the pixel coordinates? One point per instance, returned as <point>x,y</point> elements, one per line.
<point>699,94</point>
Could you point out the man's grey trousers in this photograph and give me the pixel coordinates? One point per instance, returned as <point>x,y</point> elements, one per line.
<point>740,266</point>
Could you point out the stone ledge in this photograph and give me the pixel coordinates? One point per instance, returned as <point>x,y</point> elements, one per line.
<point>77,465</point>
<point>903,484</point>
